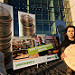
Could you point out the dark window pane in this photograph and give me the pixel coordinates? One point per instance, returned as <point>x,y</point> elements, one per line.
<point>39,29</point>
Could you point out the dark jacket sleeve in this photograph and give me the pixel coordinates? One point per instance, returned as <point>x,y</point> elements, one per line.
<point>61,49</point>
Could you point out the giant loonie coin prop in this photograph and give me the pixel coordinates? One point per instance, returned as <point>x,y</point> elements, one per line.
<point>70,56</point>
<point>5,33</point>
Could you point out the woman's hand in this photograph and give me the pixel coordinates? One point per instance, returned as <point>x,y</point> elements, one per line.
<point>62,56</point>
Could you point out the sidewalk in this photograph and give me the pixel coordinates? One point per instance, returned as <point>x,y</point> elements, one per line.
<point>56,67</point>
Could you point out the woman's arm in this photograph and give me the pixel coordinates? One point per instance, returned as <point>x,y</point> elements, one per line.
<point>62,56</point>
<point>62,53</point>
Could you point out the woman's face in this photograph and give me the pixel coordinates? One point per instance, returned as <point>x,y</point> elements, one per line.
<point>70,32</point>
<point>39,40</point>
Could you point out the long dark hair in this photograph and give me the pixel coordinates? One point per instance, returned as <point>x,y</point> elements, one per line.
<point>65,35</point>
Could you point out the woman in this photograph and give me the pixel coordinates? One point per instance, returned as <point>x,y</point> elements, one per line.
<point>41,43</point>
<point>69,38</point>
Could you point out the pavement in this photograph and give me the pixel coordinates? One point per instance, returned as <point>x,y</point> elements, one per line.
<point>56,67</point>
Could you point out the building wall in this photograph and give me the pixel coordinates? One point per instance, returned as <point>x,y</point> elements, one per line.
<point>72,7</point>
<point>2,1</point>
<point>67,13</point>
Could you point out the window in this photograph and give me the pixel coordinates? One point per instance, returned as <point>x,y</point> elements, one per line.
<point>46,11</point>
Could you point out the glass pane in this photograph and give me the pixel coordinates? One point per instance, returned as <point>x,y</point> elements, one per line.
<point>39,29</point>
<point>38,16</point>
<point>61,4</point>
<point>46,28</point>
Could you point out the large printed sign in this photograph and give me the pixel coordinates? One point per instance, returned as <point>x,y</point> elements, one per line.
<point>28,51</point>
